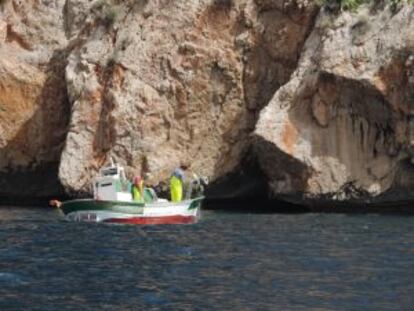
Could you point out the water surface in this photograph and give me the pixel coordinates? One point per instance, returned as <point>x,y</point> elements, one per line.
<point>228,261</point>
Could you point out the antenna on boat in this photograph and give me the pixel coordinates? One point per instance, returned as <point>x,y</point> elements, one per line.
<point>112,161</point>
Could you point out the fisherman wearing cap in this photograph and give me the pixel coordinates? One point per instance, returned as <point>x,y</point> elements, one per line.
<point>138,189</point>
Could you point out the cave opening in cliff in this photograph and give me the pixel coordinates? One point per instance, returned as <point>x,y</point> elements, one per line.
<point>245,189</point>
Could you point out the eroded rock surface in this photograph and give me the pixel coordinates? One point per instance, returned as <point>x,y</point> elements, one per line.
<point>155,84</point>
<point>341,129</point>
<point>170,83</point>
<point>34,110</point>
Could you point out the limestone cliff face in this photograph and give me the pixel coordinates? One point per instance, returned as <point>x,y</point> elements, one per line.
<point>341,128</point>
<point>157,84</point>
<point>325,96</point>
<point>33,104</point>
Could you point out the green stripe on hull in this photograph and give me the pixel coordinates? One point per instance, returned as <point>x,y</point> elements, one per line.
<point>94,205</point>
<point>195,203</point>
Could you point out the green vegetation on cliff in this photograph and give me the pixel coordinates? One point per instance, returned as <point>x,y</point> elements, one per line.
<point>352,5</point>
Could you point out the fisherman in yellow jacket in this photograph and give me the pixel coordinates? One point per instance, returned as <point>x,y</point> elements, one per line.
<point>138,189</point>
<point>176,185</point>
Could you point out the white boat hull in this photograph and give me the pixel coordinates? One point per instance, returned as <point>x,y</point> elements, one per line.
<point>184,212</point>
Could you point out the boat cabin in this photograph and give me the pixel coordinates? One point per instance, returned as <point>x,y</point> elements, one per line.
<point>112,184</point>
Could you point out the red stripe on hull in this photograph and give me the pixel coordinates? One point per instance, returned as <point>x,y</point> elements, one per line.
<point>165,220</point>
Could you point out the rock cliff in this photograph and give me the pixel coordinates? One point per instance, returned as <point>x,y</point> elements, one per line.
<point>341,128</point>
<point>162,83</point>
<point>34,107</point>
<point>320,98</point>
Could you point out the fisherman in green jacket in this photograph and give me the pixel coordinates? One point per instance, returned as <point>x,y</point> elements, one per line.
<point>176,185</point>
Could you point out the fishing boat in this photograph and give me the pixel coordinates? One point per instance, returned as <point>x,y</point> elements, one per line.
<point>113,203</point>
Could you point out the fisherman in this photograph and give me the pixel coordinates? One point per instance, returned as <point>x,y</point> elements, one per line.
<point>138,189</point>
<point>176,184</point>
<point>195,186</point>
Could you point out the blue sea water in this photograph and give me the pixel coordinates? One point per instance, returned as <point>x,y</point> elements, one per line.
<point>228,261</point>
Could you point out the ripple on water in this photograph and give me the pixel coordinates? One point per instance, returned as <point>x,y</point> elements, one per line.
<point>11,279</point>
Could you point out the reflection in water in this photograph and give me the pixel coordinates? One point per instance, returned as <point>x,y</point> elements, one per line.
<point>226,262</point>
